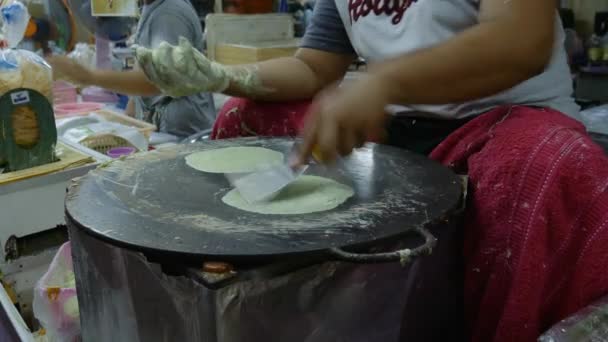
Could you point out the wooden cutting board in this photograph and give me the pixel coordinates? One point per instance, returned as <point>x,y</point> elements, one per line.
<point>69,158</point>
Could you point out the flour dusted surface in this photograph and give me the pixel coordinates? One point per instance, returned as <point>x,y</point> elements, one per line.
<point>233,159</point>
<point>308,194</point>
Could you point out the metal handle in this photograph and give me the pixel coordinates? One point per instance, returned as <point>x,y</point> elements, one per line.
<point>403,256</point>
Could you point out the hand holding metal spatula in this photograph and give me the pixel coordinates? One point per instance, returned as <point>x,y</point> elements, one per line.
<point>264,184</point>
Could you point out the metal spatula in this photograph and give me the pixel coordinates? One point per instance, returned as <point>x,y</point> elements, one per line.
<point>264,184</point>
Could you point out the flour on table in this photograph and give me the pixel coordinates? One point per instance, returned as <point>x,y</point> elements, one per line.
<point>233,159</point>
<point>308,194</point>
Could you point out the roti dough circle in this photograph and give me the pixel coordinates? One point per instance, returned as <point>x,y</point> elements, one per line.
<point>308,194</point>
<point>233,159</point>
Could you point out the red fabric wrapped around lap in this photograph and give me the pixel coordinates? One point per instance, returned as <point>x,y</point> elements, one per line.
<point>537,219</point>
<point>536,228</point>
<point>244,118</point>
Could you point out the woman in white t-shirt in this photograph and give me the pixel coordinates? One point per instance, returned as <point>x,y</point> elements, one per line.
<point>481,85</point>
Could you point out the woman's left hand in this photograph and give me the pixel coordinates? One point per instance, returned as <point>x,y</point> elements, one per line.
<point>342,119</point>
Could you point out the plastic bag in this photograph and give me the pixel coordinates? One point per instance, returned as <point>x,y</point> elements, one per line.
<point>15,18</point>
<point>596,119</point>
<point>132,135</point>
<point>25,69</point>
<point>84,54</point>
<point>589,324</point>
<point>55,301</point>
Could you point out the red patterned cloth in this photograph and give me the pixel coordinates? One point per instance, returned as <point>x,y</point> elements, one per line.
<point>244,118</point>
<point>537,219</point>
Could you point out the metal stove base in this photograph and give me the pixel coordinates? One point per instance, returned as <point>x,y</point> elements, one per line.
<point>124,297</point>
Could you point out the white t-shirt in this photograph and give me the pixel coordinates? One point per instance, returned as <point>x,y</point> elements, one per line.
<point>380,29</point>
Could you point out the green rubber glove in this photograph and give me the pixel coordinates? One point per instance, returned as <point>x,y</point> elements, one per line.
<point>182,70</point>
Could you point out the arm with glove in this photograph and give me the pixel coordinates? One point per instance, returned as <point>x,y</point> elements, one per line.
<point>183,70</point>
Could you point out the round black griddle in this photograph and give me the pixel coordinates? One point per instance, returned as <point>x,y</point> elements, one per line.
<point>154,202</point>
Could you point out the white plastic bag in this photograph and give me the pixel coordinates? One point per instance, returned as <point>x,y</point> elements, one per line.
<point>25,69</point>
<point>15,18</point>
<point>84,54</point>
<point>596,119</point>
<point>130,134</point>
<point>55,301</point>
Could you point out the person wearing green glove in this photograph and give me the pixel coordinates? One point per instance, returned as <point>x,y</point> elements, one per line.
<point>182,70</point>
<point>482,86</point>
<point>161,21</point>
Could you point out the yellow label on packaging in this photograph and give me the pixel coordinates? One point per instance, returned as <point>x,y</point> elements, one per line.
<point>52,293</point>
<point>595,54</point>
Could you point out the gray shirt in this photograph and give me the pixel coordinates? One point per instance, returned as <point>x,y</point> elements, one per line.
<point>165,21</point>
<point>382,29</point>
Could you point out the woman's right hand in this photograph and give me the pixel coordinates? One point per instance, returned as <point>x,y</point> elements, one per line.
<point>70,70</point>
